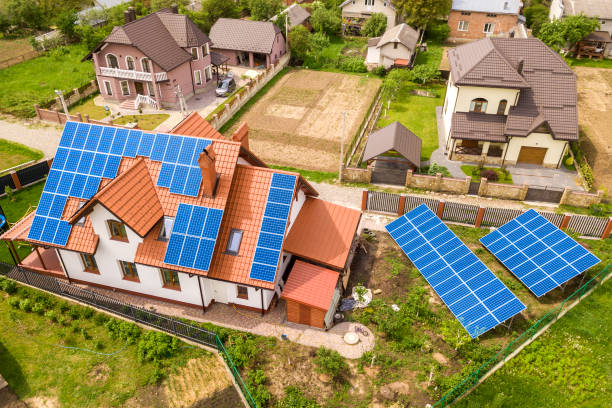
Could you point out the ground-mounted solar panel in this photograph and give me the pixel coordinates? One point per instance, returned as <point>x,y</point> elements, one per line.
<point>538,253</point>
<point>477,298</point>
<point>193,236</point>
<point>273,226</point>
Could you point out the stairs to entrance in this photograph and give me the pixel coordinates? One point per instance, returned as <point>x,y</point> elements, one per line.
<point>129,104</point>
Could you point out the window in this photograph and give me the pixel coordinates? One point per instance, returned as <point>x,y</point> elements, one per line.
<point>111,61</point>
<point>166,229</point>
<point>81,220</point>
<point>488,28</point>
<point>129,63</point>
<point>369,2</point>
<point>150,89</point>
<point>205,50</point>
<point>117,230</point>
<point>197,75</point>
<point>89,263</point>
<point>501,108</point>
<point>125,88</point>
<point>243,292</point>
<point>146,64</point>
<point>395,46</point>
<point>108,87</point>
<point>465,13</point>
<point>478,105</point>
<point>194,53</point>
<point>129,271</point>
<point>506,5</point>
<point>491,15</point>
<point>233,242</point>
<point>170,279</point>
<point>463,25</point>
<point>208,73</point>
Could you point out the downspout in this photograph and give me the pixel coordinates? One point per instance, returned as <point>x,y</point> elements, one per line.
<point>262,302</point>
<point>191,74</point>
<point>562,154</point>
<point>59,254</point>
<point>201,295</point>
<point>506,151</point>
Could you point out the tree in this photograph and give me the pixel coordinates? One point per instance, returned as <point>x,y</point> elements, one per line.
<point>299,42</point>
<point>535,14</point>
<point>394,81</point>
<point>420,13</point>
<point>160,4</point>
<point>424,73</point>
<point>212,10</point>
<point>375,26</point>
<point>263,10</point>
<point>65,22</point>
<point>25,14</point>
<point>318,41</point>
<point>325,20</point>
<point>5,23</point>
<point>567,32</point>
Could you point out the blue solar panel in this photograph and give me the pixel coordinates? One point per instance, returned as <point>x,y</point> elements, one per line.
<point>80,136</point>
<point>97,167</point>
<point>173,149</point>
<point>273,225</point>
<point>159,147</point>
<point>57,208</point>
<point>86,162</point>
<point>72,162</point>
<point>91,187</point>
<point>112,165</point>
<point>165,175</point>
<point>65,183</point>
<point>93,138</point>
<point>179,179</point>
<point>37,227</point>
<point>131,147</point>
<point>119,142</point>
<point>146,144</point>
<point>106,140</point>
<point>59,161</point>
<point>53,180</point>
<point>192,187</point>
<point>46,199</point>
<point>478,299</point>
<point>68,134</point>
<point>187,150</point>
<point>539,254</point>
<point>193,236</point>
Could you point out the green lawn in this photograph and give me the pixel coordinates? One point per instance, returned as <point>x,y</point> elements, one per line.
<point>11,48</point>
<point>418,114</point>
<point>87,106</point>
<point>502,176</point>
<point>328,58</point>
<point>593,63</point>
<point>12,154</point>
<point>145,122</point>
<point>568,366</point>
<point>432,56</point>
<point>34,81</point>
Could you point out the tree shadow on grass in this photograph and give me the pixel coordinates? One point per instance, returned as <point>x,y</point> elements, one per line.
<point>225,398</point>
<point>12,373</point>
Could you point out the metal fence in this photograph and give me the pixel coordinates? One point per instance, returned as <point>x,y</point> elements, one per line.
<point>131,312</point>
<point>586,225</point>
<point>33,173</point>
<point>495,362</point>
<point>496,217</point>
<point>457,212</point>
<point>383,202</point>
<point>413,202</point>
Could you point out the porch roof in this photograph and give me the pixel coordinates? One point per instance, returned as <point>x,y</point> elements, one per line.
<point>478,126</point>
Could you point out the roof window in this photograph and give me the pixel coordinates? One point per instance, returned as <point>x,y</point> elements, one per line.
<point>233,242</point>
<point>166,229</point>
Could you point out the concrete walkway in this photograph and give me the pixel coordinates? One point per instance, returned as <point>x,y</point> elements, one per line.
<point>37,136</point>
<point>439,155</point>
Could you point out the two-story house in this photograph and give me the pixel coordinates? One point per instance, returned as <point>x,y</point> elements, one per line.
<point>185,219</point>
<point>154,57</point>
<point>356,12</point>
<point>475,19</point>
<point>509,101</point>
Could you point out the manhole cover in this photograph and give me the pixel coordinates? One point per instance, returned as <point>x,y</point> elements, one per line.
<point>351,338</point>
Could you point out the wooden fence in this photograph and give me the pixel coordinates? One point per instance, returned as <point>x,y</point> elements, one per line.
<point>480,216</point>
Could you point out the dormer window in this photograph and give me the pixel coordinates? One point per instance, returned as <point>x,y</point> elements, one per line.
<point>117,230</point>
<point>501,108</point>
<point>205,50</point>
<point>145,62</point>
<point>81,220</point>
<point>194,53</point>
<point>129,62</point>
<point>233,242</point>
<point>111,61</point>
<point>166,229</point>
<point>478,105</point>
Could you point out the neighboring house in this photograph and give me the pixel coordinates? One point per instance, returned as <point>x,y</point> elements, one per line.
<point>356,12</point>
<point>475,19</point>
<point>509,101</point>
<point>153,56</point>
<point>246,42</point>
<point>297,15</point>
<point>396,47</point>
<point>190,220</point>
<point>97,11</point>
<point>601,9</point>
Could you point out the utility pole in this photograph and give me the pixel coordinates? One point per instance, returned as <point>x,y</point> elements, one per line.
<point>342,147</point>
<point>61,96</point>
<point>286,31</point>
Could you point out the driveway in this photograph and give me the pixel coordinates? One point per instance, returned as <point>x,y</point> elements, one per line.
<point>536,176</point>
<point>38,136</point>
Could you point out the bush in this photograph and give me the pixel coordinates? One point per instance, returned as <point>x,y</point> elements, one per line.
<point>14,302</point>
<point>85,334</point>
<point>353,64</point>
<point>569,161</point>
<point>256,383</point>
<point>435,168</point>
<point>8,286</point>
<point>325,20</point>
<point>490,175</point>
<point>154,346</point>
<point>38,308</point>
<point>98,345</point>
<point>75,313</point>
<point>242,349</point>
<point>424,74</point>
<point>437,32</point>
<point>375,26</point>
<point>100,319</point>
<point>25,305</point>
<point>87,312</point>
<point>380,71</point>
<point>330,362</point>
<point>123,330</point>
<point>294,398</point>
<point>51,315</point>
<point>587,174</point>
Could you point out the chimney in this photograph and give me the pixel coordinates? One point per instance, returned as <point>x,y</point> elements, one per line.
<point>174,8</point>
<point>242,135</point>
<point>209,173</point>
<point>520,67</point>
<point>129,15</point>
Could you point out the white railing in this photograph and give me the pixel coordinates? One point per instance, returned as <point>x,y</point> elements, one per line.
<point>130,74</point>
<point>146,100</point>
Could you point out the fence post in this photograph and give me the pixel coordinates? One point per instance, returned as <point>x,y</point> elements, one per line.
<point>607,230</point>
<point>86,116</point>
<point>566,192</point>
<point>565,221</point>
<point>440,210</point>
<point>484,184</point>
<point>400,207</point>
<point>59,120</point>
<point>466,188</point>
<point>479,216</point>
<point>408,178</point>
<point>37,109</point>
<point>16,180</point>
<point>524,189</point>
<point>438,185</point>
<point>50,162</point>
<point>364,200</point>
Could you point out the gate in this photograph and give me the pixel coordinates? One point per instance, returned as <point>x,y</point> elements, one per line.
<point>474,187</point>
<point>389,171</point>
<point>547,194</point>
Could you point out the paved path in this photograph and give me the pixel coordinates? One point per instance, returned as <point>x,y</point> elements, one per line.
<point>439,156</point>
<point>38,136</point>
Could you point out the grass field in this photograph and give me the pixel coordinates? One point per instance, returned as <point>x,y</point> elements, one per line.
<point>298,121</point>
<point>34,81</point>
<point>145,122</point>
<point>474,173</point>
<point>593,63</point>
<point>11,48</point>
<point>12,154</point>
<point>327,59</point>
<point>87,106</point>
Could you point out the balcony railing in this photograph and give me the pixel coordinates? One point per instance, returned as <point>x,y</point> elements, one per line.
<point>468,150</point>
<point>130,74</point>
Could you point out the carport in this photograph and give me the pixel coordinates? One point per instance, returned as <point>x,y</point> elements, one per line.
<point>392,151</point>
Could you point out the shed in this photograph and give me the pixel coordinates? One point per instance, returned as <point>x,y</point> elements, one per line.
<point>393,150</point>
<point>312,293</point>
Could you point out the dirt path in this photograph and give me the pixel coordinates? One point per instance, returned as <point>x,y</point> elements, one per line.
<point>37,135</point>
<point>595,121</point>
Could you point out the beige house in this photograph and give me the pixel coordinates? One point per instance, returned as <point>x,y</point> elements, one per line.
<point>509,101</point>
<point>394,48</point>
<point>356,12</point>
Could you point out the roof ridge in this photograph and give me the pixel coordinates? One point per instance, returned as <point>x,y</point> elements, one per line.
<point>268,169</point>
<point>488,40</point>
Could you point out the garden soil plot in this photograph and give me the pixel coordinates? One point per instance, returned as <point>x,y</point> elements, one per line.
<point>298,123</point>
<point>595,119</point>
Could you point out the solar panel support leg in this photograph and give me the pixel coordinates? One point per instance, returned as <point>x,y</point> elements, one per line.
<point>262,303</point>
<point>510,324</point>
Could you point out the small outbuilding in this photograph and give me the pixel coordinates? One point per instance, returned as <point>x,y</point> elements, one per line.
<point>396,47</point>
<point>392,151</point>
<point>297,16</point>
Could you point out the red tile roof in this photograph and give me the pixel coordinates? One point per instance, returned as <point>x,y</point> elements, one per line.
<point>195,125</point>
<point>311,285</point>
<point>323,232</point>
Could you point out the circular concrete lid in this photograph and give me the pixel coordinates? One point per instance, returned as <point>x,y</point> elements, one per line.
<point>351,338</point>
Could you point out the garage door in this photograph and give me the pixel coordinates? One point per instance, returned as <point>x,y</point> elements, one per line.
<point>532,155</point>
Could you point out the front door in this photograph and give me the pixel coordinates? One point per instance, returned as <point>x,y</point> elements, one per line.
<point>139,88</point>
<point>304,314</point>
<point>531,155</point>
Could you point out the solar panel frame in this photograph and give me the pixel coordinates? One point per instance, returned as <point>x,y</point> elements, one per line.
<point>475,296</point>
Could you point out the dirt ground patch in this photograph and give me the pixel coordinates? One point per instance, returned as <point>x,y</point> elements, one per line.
<point>595,120</point>
<point>298,123</point>
<point>98,374</point>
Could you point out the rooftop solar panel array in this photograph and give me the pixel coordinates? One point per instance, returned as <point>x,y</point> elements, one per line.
<point>193,236</point>
<point>538,253</point>
<point>273,226</point>
<point>87,153</point>
<point>477,298</point>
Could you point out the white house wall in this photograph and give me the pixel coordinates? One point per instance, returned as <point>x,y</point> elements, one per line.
<point>227,292</point>
<point>449,106</point>
<point>358,7</point>
<point>373,56</point>
<point>493,96</point>
<point>390,54</point>
<point>556,148</point>
<point>295,209</point>
<point>556,10</point>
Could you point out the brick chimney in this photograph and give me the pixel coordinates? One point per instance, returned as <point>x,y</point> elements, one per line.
<point>129,15</point>
<point>242,135</point>
<point>209,172</point>
<point>174,8</point>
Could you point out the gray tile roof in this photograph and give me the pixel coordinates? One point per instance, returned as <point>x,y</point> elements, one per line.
<point>478,126</point>
<point>591,8</point>
<point>547,84</point>
<point>243,35</point>
<point>394,137</point>
<point>401,33</point>
<point>297,15</point>
<point>345,2</point>
<point>488,6</point>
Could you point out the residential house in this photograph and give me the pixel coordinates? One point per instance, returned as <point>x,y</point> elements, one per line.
<point>601,9</point>
<point>396,47</point>
<point>509,101</point>
<point>475,19</point>
<point>188,219</point>
<point>154,57</point>
<point>296,14</point>
<point>356,12</point>
<point>247,42</point>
